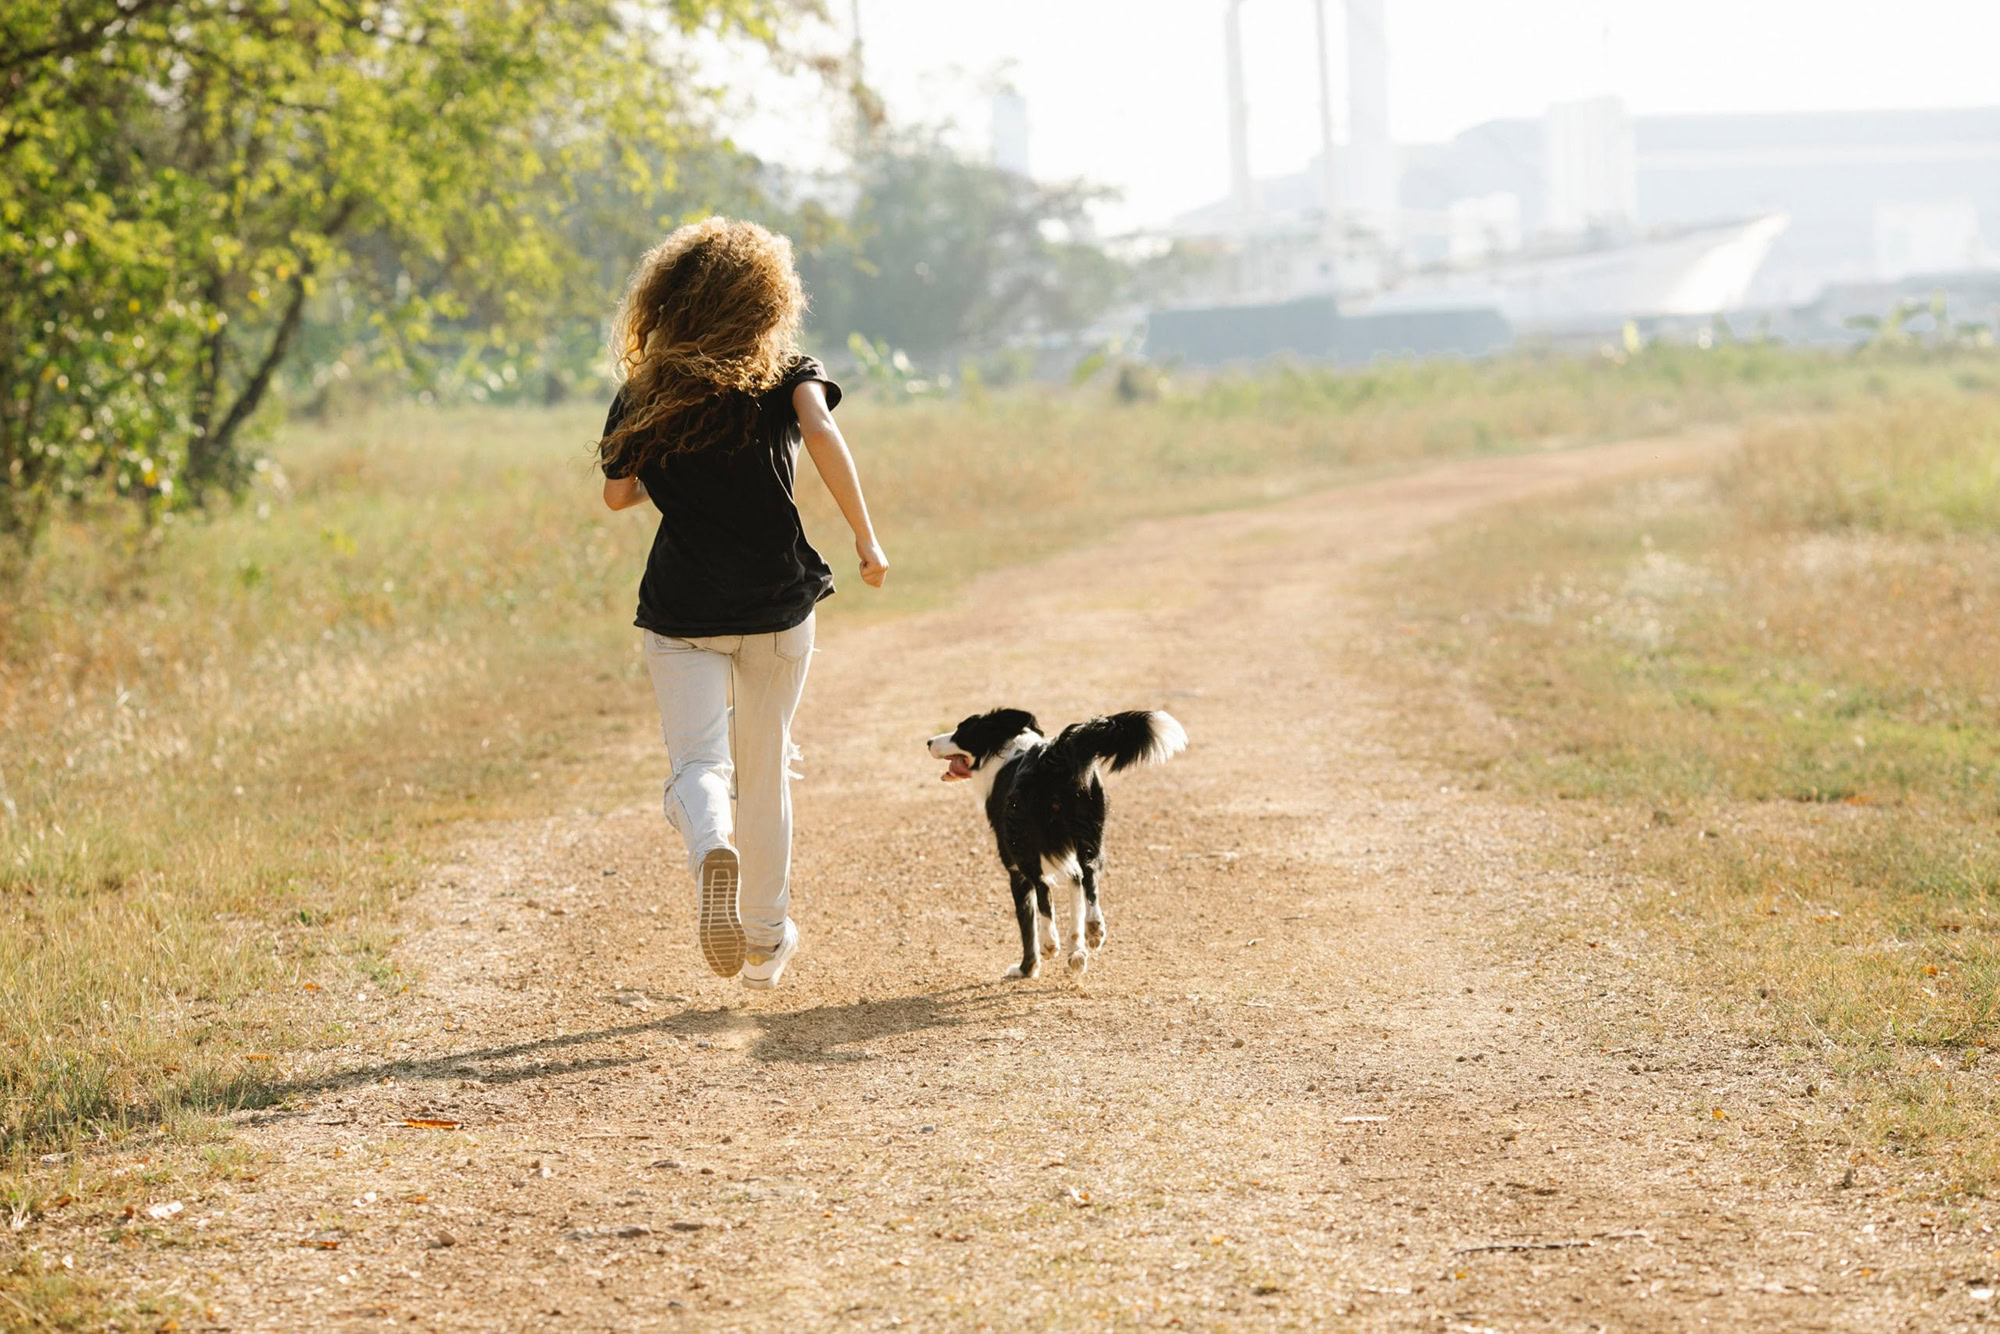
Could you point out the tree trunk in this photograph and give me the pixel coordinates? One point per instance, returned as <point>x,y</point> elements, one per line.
<point>212,456</point>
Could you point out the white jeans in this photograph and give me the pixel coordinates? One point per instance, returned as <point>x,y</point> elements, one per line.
<point>692,679</point>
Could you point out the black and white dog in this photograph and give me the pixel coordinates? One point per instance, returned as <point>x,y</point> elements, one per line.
<point>1045,801</point>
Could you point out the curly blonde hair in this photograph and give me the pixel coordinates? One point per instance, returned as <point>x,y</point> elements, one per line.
<point>709,321</point>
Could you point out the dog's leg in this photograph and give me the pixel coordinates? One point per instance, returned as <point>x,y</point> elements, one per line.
<point>1093,911</point>
<point>1079,952</point>
<point>1024,914</point>
<point>1045,921</point>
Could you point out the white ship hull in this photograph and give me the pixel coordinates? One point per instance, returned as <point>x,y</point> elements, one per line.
<point>1703,271</point>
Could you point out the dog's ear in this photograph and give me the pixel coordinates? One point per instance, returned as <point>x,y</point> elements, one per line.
<point>1010,723</point>
<point>985,733</point>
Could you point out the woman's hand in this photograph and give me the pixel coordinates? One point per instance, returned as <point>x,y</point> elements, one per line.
<point>874,561</point>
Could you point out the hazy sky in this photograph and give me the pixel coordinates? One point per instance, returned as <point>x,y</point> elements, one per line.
<point>1129,93</point>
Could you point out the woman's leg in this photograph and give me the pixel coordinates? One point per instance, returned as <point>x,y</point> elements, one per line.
<point>691,682</point>
<point>770,676</point>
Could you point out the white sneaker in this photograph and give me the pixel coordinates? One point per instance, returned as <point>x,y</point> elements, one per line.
<point>763,965</point>
<point>716,922</point>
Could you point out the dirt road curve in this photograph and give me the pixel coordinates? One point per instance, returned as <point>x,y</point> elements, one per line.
<point>1339,1067</point>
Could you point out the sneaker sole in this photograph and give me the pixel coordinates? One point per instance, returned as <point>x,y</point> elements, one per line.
<point>720,929</point>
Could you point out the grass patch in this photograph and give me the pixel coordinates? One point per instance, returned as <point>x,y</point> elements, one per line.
<point>1787,672</point>
<point>38,1293</point>
<point>232,743</point>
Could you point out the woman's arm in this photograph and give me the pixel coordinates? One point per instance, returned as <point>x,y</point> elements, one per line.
<point>622,493</point>
<point>836,468</point>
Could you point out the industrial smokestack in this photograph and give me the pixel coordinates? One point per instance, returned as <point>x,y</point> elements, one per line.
<point>1242,186</point>
<point>1368,184</point>
<point>1329,189</point>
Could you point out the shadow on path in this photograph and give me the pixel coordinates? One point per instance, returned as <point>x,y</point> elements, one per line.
<point>822,1035</point>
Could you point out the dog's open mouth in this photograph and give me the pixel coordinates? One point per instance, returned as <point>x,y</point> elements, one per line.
<point>958,770</point>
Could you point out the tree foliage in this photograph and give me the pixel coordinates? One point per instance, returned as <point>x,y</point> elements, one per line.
<point>181,181</point>
<point>940,254</point>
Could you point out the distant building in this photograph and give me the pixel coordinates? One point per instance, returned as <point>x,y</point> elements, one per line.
<point>1482,227</point>
<point>1546,233</point>
<point>1590,167</point>
<point>1366,169</point>
<point>1577,222</point>
<point>1933,236</point>
<point>1873,196</point>
<point>1010,132</point>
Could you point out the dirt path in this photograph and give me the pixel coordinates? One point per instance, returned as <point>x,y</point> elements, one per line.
<point>1344,1048</point>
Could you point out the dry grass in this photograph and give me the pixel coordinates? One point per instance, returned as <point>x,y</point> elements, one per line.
<point>1788,673</point>
<point>231,746</point>
<point>39,1293</point>
<point>973,486</point>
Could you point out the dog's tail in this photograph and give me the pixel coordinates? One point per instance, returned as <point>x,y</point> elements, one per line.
<point>1119,741</point>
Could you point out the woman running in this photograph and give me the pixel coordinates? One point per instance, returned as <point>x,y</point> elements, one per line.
<point>715,402</point>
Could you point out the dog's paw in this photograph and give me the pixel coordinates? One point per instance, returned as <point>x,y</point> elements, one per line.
<point>1079,961</point>
<point>1051,948</point>
<point>1093,934</point>
<point>1015,974</point>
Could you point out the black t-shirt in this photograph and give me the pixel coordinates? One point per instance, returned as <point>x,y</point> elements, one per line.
<point>731,557</point>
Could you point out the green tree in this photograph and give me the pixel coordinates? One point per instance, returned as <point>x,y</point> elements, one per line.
<point>942,255</point>
<point>181,179</point>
